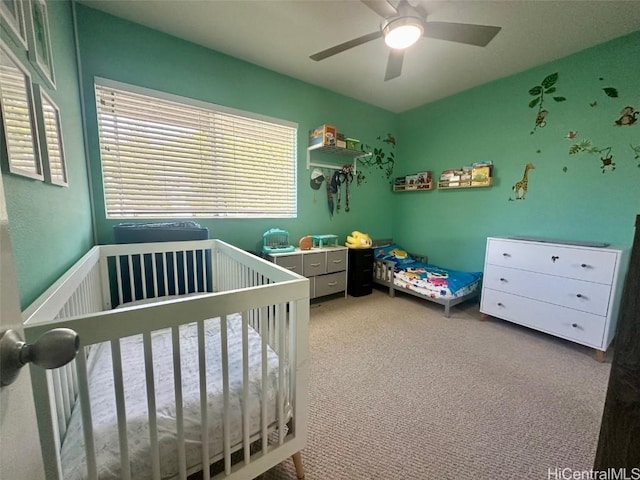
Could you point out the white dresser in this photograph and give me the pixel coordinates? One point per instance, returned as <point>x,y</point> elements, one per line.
<point>326,268</point>
<point>570,291</point>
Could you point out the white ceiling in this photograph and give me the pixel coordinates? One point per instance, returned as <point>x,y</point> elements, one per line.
<point>280,35</point>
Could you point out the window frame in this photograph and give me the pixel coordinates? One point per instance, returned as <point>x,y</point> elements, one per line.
<point>213,109</point>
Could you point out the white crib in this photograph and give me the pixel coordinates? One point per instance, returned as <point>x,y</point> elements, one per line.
<point>232,330</point>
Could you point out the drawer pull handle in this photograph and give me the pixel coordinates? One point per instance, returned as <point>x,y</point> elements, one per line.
<point>500,304</point>
<point>584,265</point>
<point>574,325</point>
<point>503,279</point>
<point>554,258</point>
<point>291,267</point>
<point>315,264</point>
<point>337,261</point>
<point>506,254</point>
<point>332,284</point>
<point>579,295</point>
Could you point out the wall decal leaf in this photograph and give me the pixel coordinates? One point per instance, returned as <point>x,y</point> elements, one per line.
<point>611,92</point>
<point>550,80</point>
<point>559,99</point>
<point>536,90</point>
<point>534,102</point>
<point>550,90</point>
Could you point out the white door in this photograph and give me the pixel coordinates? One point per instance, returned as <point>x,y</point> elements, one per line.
<point>20,456</point>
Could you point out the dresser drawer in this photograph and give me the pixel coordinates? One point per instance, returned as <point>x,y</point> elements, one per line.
<point>330,283</point>
<point>581,327</point>
<point>590,264</point>
<point>290,262</point>
<point>577,294</point>
<point>314,264</point>
<point>336,261</point>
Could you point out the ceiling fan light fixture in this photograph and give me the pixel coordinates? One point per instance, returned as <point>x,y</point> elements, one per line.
<point>401,33</point>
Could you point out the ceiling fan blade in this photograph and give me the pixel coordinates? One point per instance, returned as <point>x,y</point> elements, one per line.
<point>479,35</point>
<point>394,64</point>
<point>381,7</point>
<point>329,52</point>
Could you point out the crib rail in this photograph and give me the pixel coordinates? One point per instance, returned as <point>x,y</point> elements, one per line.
<point>272,301</point>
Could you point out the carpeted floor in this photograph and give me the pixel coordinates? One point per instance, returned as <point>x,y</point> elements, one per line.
<point>398,391</point>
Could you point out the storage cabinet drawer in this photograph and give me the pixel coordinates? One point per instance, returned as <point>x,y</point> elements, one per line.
<point>577,294</point>
<point>360,258</point>
<point>314,264</point>
<point>290,262</point>
<point>581,327</point>
<point>590,264</point>
<point>336,261</point>
<point>329,284</point>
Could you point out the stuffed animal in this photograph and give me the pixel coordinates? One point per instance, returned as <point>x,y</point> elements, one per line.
<point>358,240</point>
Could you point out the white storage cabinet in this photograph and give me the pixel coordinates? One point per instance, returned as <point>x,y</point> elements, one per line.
<point>570,291</point>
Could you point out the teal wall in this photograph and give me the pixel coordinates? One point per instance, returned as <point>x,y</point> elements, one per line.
<point>120,50</point>
<point>494,122</point>
<point>51,226</point>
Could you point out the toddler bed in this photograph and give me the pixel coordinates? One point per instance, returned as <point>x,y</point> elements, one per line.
<point>203,365</point>
<point>410,273</point>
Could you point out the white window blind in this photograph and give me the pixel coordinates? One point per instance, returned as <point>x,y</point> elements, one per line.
<point>169,156</point>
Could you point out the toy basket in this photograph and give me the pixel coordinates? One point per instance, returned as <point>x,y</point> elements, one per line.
<point>276,241</point>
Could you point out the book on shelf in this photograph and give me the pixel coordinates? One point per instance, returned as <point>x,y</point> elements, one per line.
<point>481,175</point>
<point>411,182</point>
<point>424,180</point>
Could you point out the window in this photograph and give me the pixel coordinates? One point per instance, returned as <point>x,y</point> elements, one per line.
<point>169,156</point>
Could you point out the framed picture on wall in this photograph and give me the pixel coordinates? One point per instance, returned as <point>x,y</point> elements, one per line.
<point>12,17</point>
<point>39,39</point>
<point>19,148</point>
<point>50,136</point>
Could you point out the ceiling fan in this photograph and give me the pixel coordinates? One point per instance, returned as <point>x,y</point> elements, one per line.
<point>403,25</point>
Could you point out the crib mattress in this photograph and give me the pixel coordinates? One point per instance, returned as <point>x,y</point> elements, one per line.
<point>103,403</point>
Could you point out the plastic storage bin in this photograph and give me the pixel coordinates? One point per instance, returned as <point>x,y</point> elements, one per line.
<point>163,232</point>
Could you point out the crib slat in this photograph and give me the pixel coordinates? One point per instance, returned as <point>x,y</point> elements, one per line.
<point>245,387</point>
<point>87,423</point>
<point>151,404</point>
<point>132,283</point>
<point>165,269</point>
<point>57,393</point>
<point>264,332</point>
<point>119,280</point>
<point>118,385</point>
<point>143,273</point>
<point>64,383</point>
<point>154,268</point>
<point>281,314</point>
<point>225,394</point>
<point>175,273</point>
<point>195,270</point>
<point>202,366</point>
<point>177,385</point>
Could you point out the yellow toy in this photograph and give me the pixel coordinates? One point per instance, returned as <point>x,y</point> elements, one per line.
<point>358,240</point>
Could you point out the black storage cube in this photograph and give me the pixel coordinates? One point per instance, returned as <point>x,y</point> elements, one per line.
<point>360,276</point>
<point>163,232</point>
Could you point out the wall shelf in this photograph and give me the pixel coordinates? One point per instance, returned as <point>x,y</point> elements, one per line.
<point>417,182</point>
<point>338,151</point>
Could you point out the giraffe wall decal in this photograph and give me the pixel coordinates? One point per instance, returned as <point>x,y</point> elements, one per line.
<point>520,188</point>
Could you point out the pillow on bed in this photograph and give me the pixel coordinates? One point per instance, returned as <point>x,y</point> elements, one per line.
<point>395,253</point>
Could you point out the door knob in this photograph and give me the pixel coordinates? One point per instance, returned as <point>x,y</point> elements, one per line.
<point>54,349</point>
